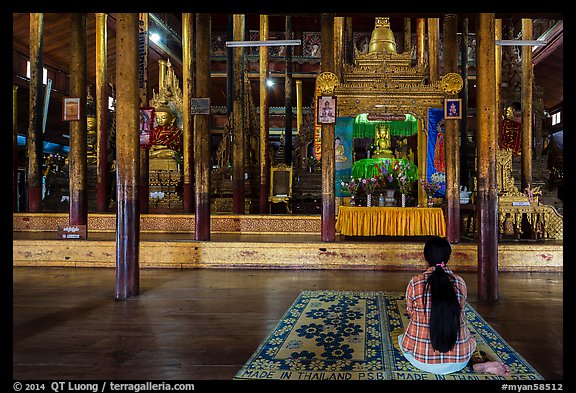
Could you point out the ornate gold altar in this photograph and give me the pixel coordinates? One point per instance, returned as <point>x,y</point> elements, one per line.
<point>165,157</point>
<point>384,82</point>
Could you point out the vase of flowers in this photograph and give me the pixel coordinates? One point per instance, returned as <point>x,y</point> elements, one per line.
<point>369,186</point>
<point>352,187</point>
<point>430,187</point>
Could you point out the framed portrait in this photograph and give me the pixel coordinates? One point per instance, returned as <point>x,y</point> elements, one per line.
<point>453,108</point>
<point>326,110</point>
<point>200,106</point>
<point>71,109</point>
<point>146,126</point>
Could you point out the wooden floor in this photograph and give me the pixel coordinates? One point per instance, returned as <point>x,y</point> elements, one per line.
<point>204,324</point>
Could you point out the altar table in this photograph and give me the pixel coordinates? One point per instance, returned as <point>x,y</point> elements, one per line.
<point>390,221</point>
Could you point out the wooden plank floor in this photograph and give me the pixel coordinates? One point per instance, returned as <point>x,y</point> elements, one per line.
<point>204,324</point>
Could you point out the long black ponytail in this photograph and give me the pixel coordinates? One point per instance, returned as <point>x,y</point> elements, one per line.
<point>444,321</point>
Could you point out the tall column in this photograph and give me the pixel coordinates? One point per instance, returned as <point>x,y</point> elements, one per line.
<point>486,139</point>
<point>433,48</point>
<point>101,112</point>
<point>526,98</point>
<point>498,61</point>
<point>407,35</point>
<point>127,157</point>
<point>328,157</point>
<point>238,180</point>
<point>78,129</point>
<point>34,145</point>
<point>14,148</point>
<point>338,45</point>
<point>143,90</point>
<point>188,119</point>
<point>452,137</point>
<point>202,164</point>
<point>420,41</point>
<point>288,96</point>
<point>465,146</point>
<point>264,120</point>
<point>349,39</point>
<point>299,114</point>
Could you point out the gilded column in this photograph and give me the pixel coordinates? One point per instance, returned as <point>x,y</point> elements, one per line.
<point>288,97</point>
<point>338,45</point>
<point>34,138</point>
<point>202,135</point>
<point>238,181</point>
<point>420,41</point>
<point>526,98</point>
<point>433,48</point>
<point>14,148</point>
<point>487,202</point>
<point>407,34</point>
<point>465,145</point>
<point>78,132</point>
<point>328,157</point>
<point>299,115</point>
<point>498,60</point>
<point>101,112</point>
<point>143,91</point>
<point>349,39</point>
<point>264,122</point>
<point>127,157</point>
<point>452,137</point>
<point>188,119</point>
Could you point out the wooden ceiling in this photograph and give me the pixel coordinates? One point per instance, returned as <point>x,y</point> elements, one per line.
<point>548,68</point>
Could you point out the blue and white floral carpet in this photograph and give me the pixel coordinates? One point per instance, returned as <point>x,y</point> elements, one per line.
<point>341,335</point>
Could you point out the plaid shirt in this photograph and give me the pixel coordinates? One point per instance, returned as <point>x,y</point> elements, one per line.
<point>416,339</point>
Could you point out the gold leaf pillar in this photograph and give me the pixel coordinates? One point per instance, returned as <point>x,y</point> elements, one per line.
<point>526,98</point>
<point>127,157</point>
<point>78,129</point>
<point>238,181</point>
<point>14,148</point>
<point>407,34</point>
<point>486,142</point>
<point>143,92</point>
<point>101,112</point>
<point>264,120</point>
<point>34,136</point>
<point>202,161</point>
<point>188,119</point>
<point>433,48</point>
<point>420,41</point>
<point>328,156</point>
<point>452,136</point>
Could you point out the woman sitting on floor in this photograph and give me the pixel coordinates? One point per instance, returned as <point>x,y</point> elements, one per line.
<point>437,339</point>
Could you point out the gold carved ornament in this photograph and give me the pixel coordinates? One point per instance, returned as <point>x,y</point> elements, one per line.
<point>327,82</point>
<point>452,83</point>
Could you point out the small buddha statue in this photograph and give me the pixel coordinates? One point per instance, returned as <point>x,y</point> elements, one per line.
<point>382,142</point>
<point>166,137</point>
<point>91,136</point>
<point>382,39</point>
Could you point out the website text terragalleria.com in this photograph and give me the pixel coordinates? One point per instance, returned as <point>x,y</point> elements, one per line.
<point>100,387</point>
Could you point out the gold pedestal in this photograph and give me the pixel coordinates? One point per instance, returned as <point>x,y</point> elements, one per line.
<point>165,181</point>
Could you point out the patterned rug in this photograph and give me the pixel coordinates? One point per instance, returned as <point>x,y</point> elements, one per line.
<point>341,335</point>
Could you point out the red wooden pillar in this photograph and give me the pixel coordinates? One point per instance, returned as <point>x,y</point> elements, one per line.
<point>127,157</point>
<point>486,142</point>
<point>78,168</point>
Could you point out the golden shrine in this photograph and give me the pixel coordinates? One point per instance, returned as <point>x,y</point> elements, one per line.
<point>383,82</point>
<point>165,156</point>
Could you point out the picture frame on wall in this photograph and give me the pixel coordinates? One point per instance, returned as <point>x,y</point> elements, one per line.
<point>326,110</point>
<point>453,108</point>
<point>71,109</point>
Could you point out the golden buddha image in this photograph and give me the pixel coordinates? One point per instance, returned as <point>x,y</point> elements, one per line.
<point>382,142</point>
<point>166,136</point>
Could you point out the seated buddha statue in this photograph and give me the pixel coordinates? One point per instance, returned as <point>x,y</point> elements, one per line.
<point>166,137</point>
<point>382,142</point>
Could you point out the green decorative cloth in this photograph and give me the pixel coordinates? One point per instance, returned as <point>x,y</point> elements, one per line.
<point>367,168</point>
<point>364,128</point>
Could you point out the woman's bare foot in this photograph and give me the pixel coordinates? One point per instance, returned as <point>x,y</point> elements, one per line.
<point>497,368</point>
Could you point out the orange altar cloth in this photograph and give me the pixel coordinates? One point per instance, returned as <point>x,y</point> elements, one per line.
<point>390,221</point>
